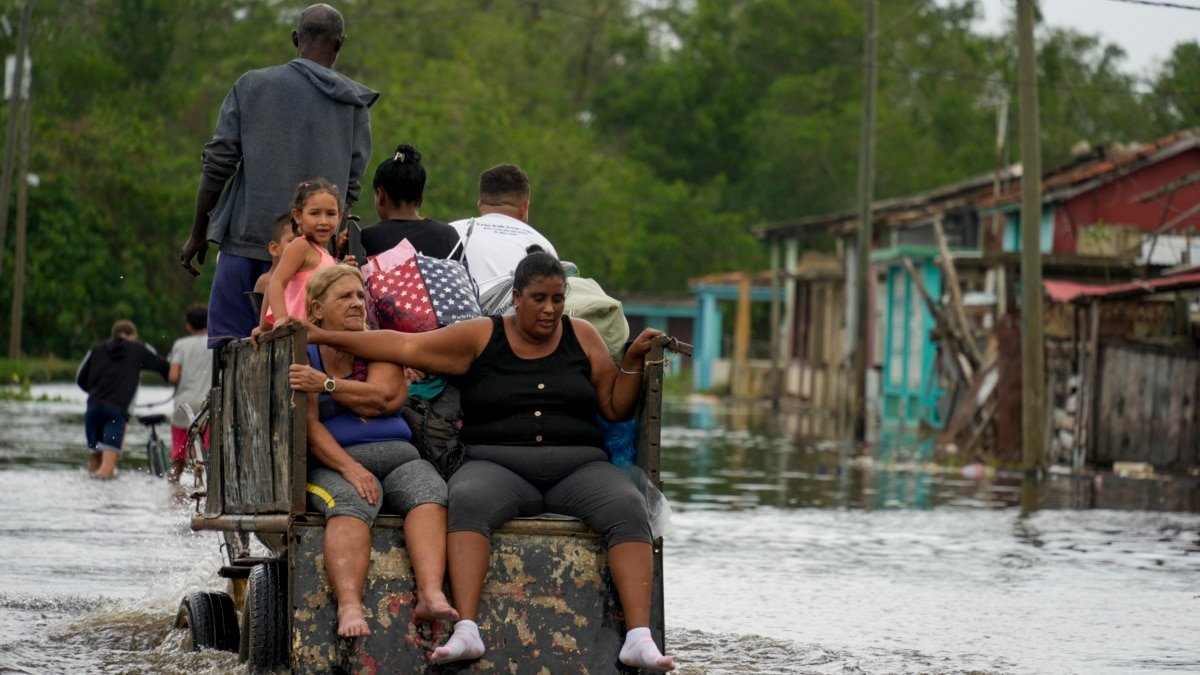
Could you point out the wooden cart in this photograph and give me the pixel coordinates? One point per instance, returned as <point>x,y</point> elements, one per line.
<point>548,606</point>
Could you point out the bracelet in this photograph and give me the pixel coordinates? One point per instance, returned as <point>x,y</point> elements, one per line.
<point>630,372</point>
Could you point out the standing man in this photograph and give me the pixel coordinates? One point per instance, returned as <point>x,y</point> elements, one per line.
<point>278,126</point>
<point>109,374</point>
<point>191,373</point>
<point>501,233</point>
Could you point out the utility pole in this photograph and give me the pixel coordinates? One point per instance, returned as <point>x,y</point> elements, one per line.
<point>18,297</point>
<point>14,116</point>
<point>1033,358</point>
<point>866,182</point>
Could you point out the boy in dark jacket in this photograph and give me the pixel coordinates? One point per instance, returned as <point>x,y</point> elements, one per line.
<point>109,374</point>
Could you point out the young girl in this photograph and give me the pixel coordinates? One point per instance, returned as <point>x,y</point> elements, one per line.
<point>316,210</point>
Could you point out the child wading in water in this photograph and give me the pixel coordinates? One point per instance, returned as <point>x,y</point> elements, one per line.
<point>316,210</point>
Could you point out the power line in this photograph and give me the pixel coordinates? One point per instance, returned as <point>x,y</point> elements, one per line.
<point>1157,3</point>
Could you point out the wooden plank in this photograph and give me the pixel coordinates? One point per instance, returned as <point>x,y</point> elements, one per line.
<point>1089,387</point>
<point>213,489</point>
<point>1172,419</point>
<point>971,350</point>
<point>299,439</point>
<point>1190,414</point>
<point>1141,427</point>
<point>1128,401</point>
<point>953,340</point>
<point>1106,405</point>
<point>1130,406</point>
<point>282,432</point>
<point>254,427</point>
<point>820,346</point>
<point>1162,451</point>
<point>230,455</point>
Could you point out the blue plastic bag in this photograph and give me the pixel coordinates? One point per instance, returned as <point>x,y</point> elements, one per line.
<point>620,441</point>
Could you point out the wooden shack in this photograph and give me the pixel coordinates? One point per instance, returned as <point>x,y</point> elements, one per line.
<point>1132,393</point>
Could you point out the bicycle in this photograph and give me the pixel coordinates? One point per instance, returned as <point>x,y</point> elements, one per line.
<point>157,454</point>
<point>197,453</point>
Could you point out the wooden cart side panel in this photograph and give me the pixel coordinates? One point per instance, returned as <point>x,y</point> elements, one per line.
<point>260,426</point>
<point>253,387</point>
<point>297,460</point>
<point>216,424</point>
<point>231,495</point>
<point>282,401</point>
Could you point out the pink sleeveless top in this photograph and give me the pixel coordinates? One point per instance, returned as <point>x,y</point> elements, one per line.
<point>294,292</point>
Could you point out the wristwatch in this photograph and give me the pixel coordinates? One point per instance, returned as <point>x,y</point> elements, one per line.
<point>330,384</point>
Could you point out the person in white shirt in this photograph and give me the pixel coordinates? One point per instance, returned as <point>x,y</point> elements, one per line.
<point>499,237</point>
<point>191,373</point>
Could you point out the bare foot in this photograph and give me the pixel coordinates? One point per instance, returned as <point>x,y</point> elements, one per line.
<point>434,607</point>
<point>108,465</point>
<point>351,622</point>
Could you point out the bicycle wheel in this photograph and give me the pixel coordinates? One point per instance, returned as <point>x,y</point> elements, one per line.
<point>156,453</point>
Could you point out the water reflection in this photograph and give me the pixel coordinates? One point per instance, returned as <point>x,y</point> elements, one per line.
<point>787,556</point>
<point>745,455</point>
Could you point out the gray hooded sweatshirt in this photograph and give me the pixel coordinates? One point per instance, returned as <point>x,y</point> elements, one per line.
<point>278,127</point>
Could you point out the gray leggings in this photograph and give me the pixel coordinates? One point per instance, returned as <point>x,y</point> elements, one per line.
<point>404,478</point>
<point>500,482</point>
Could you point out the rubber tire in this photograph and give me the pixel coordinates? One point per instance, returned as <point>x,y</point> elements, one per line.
<point>156,456</point>
<point>264,639</point>
<point>211,621</point>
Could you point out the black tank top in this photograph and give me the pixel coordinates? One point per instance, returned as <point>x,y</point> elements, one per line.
<point>508,400</point>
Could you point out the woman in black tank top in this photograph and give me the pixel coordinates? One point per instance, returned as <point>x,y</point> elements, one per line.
<point>532,384</point>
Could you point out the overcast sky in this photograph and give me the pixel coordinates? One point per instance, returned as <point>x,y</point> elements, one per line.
<point>1147,34</point>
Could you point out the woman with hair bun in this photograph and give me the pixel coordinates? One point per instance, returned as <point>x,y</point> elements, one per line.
<point>399,190</point>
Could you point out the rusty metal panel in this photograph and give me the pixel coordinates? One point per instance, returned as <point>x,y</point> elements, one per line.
<point>649,412</point>
<point>548,606</point>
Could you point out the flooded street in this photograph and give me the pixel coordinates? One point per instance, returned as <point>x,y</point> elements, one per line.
<point>785,557</point>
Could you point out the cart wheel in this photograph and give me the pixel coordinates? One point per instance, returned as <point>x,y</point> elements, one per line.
<point>210,620</point>
<point>264,639</point>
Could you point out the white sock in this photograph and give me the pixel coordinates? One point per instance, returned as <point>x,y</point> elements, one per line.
<point>639,651</point>
<point>464,643</point>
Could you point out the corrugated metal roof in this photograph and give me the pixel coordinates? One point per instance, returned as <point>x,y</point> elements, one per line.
<point>1070,291</point>
<point>1062,184</point>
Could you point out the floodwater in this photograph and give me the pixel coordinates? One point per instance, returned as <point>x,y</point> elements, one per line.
<point>785,556</point>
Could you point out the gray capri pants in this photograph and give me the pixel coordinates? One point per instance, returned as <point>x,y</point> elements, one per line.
<point>500,482</point>
<point>404,478</point>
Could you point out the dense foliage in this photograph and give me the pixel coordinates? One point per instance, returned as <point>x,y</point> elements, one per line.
<point>656,132</point>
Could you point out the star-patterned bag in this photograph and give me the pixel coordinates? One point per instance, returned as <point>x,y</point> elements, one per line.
<point>417,293</point>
